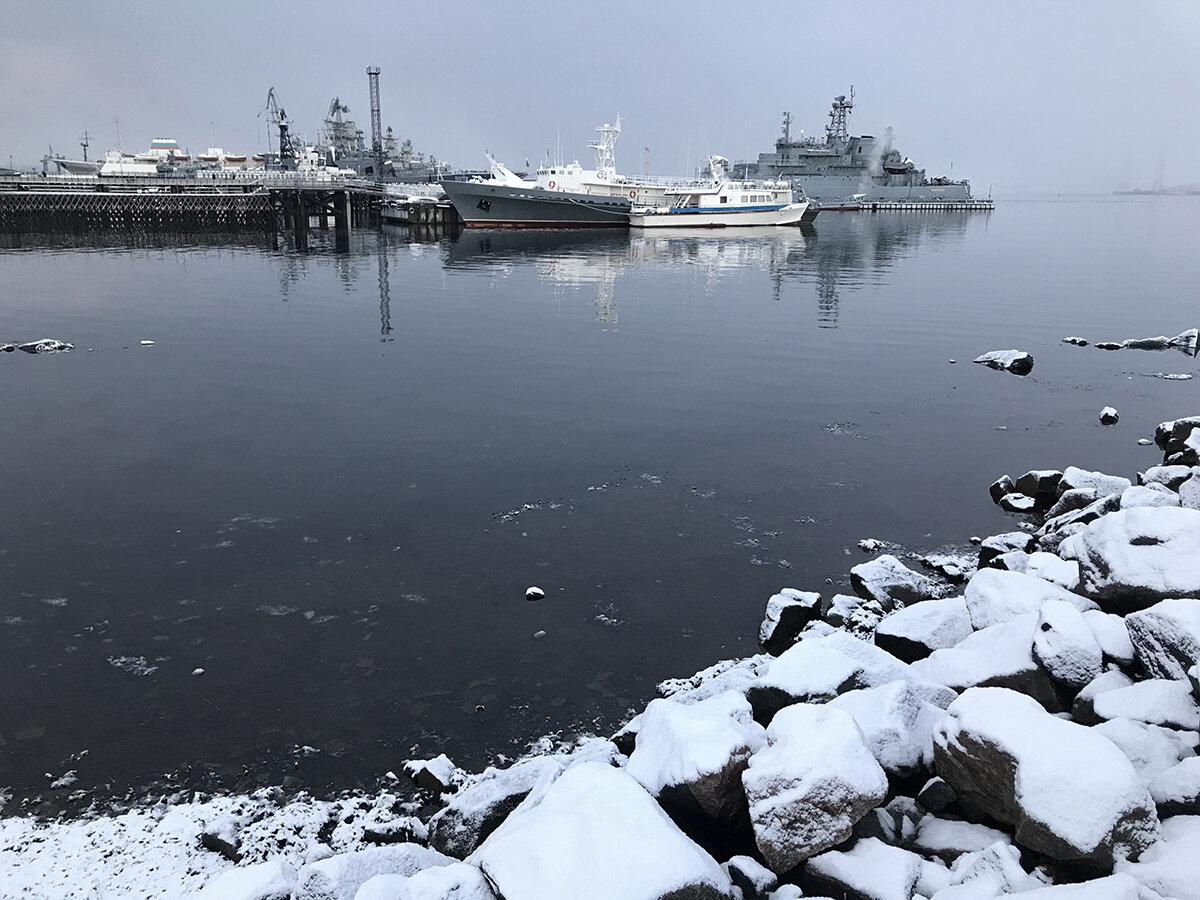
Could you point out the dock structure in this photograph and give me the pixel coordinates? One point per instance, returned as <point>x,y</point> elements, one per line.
<point>927,205</point>
<point>270,202</point>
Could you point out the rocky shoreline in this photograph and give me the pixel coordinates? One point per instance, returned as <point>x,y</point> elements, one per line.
<point>1023,721</point>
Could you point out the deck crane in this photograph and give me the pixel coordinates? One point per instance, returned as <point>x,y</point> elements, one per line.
<point>277,116</point>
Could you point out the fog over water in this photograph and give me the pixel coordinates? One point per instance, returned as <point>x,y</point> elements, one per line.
<point>1019,97</point>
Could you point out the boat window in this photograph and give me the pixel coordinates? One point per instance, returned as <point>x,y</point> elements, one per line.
<point>724,199</point>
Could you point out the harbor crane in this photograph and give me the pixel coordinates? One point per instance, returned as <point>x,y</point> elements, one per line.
<point>277,116</point>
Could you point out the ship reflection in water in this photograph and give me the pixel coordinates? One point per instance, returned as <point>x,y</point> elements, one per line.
<point>839,255</point>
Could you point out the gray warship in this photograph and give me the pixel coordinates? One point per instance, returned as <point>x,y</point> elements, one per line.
<point>849,170</point>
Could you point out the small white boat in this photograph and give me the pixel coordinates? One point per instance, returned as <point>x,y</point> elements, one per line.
<point>722,203</point>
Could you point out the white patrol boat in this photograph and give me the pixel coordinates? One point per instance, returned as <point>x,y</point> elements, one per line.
<point>722,203</point>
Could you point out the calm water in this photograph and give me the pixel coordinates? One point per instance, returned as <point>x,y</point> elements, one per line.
<point>330,479</point>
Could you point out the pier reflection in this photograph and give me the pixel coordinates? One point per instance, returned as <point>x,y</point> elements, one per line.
<point>839,254</point>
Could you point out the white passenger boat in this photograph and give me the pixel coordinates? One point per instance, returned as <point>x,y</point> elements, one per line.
<point>722,203</point>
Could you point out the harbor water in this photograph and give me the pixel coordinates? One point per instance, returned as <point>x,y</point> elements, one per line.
<point>272,521</point>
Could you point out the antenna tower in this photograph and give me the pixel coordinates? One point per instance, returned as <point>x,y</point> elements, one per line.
<point>376,129</point>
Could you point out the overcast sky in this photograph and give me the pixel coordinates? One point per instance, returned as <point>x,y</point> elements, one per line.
<point>1015,95</point>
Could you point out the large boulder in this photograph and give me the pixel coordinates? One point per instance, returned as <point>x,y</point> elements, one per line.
<point>1075,479</point>
<point>1179,440</point>
<point>691,757</point>
<point>596,833</point>
<point>998,656</point>
<point>1159,701</point>
<point>1134,557</point>
<point>339,877</point>
<point>818,669</point>
<point>1166,637</point>
<point>995,595</point>
<point>916,631</point>
<point>1065,645</point>
<point>890,583</point>
<point>1040,483</point>
<point>897,723</point>
<point>812,782</point>
<point>484,801</point>
<point>1007,758</point>
<point>786,615</point>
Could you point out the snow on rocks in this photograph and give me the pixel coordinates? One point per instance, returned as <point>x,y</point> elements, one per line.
<point>691,757</point>
<point>916,631</point>
<point>1109,416</point>
<point>1151,748</point>
<point>812,782</point>
<point>1083,709</point>
<point>819,669</point>
<point>1148,495</point>
<point>1176,791</point>
<point>890,583</point>
<point>1168,476</point>
<point>999,544</point>
<point>1133,557</point>
<point>46,345</point>
<point>483,802</point>
<point>995,595</point>
<point>1065,645</point>
<point>273,880</point>
<point>1166,637</point>
<point>871,870</point>
<point>1100,484</point>
<point>438,775</point>
<point>1171,868</point>
<point>948,839</point>
<point>1157,701</point>
<point>1008,759</point>
<point>1040,483</point>
<point>1016,361</point>
<point>1179,440</point>
<point>897,722</point>
<point>596,833</point>
<point>786,615</point>
<point>340,876</point>
<point>751,877</point>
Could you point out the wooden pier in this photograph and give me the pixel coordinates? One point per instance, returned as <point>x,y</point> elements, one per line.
<point>272,202</point>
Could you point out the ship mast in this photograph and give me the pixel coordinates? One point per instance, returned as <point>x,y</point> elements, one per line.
<point>84,144</point>
<point>839,118</point>
<point>606,146</point>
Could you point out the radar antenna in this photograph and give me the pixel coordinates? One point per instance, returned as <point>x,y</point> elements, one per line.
<point>606,146</point>
<point>839,118</point>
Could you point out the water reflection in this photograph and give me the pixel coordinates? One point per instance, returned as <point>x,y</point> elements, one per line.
<point>841,253</point>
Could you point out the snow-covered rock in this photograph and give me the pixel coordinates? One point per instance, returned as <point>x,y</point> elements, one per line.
<point>1158,701</point>
<point>1083,709</point>
<point>1017,503</point>
<point>1168,476</point>
<point>340,876</point>
<point>1111,887</point>
<point>1040,483</point>
<point>916,631</point>
<point>936,795</point>
<point>1171,868</point>
<point>1151,748</point>
<point>271,880</point>
<point>484,800</point>
<point>751,877</point>
<point>812,782</point>
<point>854,614</point>
<point>1179,440</point>
<point>1134,557</point>
<point>988,873</point>
<point>948,839</point>
<point>819,669</point>
<point>1148,495</point>
<point>995,595</point>
<point>1109,416</point>
<point>1112,636</point>
<point>890,583</point>
<point>1166,637</point>
<point>1065,645</point>
<point>1001,486</point>
<point>596,833</point>
<point>1189,493</point>
<point>691,757</point>
<point>998,656</point>
<point>46,345</point>
<point>870,870</point>
<point>787,613</point>
<point>458,881</point>
<point>1016,361</point>
<point>1040,564</point>
<point>1009,759</point>
<point>437,775</point>
<point>1074,478</point>
<point>1176,790</point>
<point>999,544</point>
<point>897,723</point>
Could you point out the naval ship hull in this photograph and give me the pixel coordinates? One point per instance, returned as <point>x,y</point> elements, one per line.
<point>485,205</point>
<point>827,188</point>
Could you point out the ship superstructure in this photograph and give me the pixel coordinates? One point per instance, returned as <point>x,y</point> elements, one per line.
<point>840,166</point>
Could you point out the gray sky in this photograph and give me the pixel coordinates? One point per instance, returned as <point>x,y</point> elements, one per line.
<point>1016,95</point>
